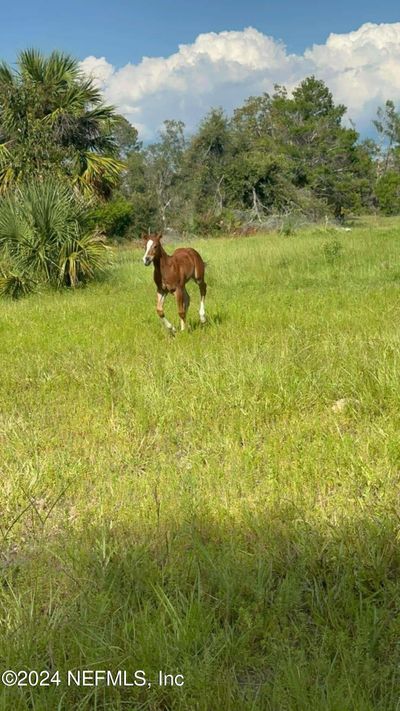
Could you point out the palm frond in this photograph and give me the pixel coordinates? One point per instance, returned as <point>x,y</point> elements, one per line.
<point>8,178</point>
<point>61,67</point>
<point>5,153</point>
<point>44,238</point>
<point>8,174</point>
<point>52,115</point>
<point>6,74</point>
<point>14,285</point>
<point>32,64</point>
<point>98,173</point>
<point>82,258</point>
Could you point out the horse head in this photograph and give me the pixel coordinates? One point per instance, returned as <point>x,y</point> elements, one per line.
<point>152,248</point>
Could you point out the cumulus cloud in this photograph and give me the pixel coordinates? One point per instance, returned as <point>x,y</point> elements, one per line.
<point>223,69</point>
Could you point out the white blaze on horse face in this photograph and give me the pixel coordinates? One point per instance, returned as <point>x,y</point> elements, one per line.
<point>149,245</point>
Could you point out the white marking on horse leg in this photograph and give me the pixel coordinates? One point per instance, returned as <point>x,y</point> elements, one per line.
<point>182,324</point>
<point>202,310</point>
<point>167,324</point>
<point>160,310</point>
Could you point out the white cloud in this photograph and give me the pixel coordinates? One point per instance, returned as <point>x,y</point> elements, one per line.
<point>223,69</point>
<point>98,68</point>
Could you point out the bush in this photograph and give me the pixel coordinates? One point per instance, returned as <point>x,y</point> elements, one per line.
<point>332,250</point>
<point>113,218</point>
<point>15,285</point>
<point>145,215</point>
<point>387,191</point>
<point>44,239</point>
<point>288,226</point>
<point>123,219</point>
<point>211,223</point>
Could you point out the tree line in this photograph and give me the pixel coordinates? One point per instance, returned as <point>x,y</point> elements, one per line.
<point>70,165</point>
<point>276,155</point>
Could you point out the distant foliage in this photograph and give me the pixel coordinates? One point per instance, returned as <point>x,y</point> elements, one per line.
<point>388,193</point>
<point>279,159</point>
<point>45,238</point>
<point>114,218</point>
<point>277,155</point>
<point>288,227</point>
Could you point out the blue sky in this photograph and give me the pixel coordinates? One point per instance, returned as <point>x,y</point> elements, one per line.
<point>126,30</point>
<point>231,49</point>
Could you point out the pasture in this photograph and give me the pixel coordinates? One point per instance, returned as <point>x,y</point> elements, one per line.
<point>223,504</point>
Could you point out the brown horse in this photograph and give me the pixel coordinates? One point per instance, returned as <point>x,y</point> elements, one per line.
<point>171,273</point>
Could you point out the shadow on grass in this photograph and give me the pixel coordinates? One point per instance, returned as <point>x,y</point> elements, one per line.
<point>273,614</point>
<point>214,319</point>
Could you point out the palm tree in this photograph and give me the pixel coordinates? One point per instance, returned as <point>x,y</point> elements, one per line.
<point>53,119</point>
<point>45,239</point>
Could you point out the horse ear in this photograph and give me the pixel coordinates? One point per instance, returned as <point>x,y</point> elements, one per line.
<point>145,237</point>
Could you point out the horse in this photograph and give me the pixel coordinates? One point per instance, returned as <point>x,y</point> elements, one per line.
<point>171,274</point>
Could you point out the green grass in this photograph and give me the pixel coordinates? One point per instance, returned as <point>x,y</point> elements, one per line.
<point>198,504</point>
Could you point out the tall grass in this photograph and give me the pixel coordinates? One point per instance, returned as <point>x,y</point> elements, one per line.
<point>224,504</point>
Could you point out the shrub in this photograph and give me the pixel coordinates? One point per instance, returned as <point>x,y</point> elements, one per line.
<point>44,238</point>
<point>288,226</point>
<point>145,215</point>
<point>123,219</point>
<point>15,285</point>
<point>212,223</point>
<point>332,250</point>
<point>387,191</point>
<point>113,218</point>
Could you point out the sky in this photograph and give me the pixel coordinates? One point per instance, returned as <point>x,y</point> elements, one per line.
<point>158,59</point>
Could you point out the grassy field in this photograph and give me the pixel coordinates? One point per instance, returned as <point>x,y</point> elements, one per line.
<point>223,504</point>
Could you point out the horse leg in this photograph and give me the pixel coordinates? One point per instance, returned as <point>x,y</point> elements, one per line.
<point>203,292</point>
<point>186,301</point>
<point>181,302</point>
<point>161,296</point>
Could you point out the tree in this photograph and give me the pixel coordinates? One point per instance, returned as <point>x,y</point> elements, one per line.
<point>164,167</point>
<point>259,173</point>
<point>206,159</point>
<point>387,190</point>
<point>277,154</point>
<point>126,137</point>
<point>326,155</point>
<point>53,120</point>
<point>388,126</point>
